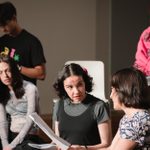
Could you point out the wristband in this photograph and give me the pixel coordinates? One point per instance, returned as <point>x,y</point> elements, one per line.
<point>19,68</point>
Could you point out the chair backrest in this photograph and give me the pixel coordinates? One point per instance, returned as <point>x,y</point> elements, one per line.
<point>96,71</point>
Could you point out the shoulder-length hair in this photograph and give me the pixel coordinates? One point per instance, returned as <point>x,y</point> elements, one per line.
<point>132,88</point>
<point>67,71</point>
<point>17,82</point>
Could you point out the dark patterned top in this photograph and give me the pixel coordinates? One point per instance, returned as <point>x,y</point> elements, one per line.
<point>136,128</point>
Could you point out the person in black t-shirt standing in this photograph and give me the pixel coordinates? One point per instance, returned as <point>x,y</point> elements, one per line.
<point>21,45</point>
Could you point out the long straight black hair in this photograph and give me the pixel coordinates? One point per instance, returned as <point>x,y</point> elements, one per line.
<point>17,81</point>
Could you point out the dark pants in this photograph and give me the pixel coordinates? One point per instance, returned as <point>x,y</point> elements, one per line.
<point>28,139</point>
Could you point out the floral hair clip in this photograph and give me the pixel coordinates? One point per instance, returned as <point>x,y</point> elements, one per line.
<point>85,70</point>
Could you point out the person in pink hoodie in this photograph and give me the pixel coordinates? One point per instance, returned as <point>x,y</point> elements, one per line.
<point>142,56</point>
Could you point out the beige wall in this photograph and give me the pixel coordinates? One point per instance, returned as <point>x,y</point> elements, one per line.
<point>129,19</point>
<point>67,31</point>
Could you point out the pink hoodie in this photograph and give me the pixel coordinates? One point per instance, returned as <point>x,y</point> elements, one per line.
<point>142,56</point>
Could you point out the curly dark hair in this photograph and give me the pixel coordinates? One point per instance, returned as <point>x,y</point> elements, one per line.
<point>132,88</point>
<point>67,71</point>
<point>17,81</point>
<point>7,12</point>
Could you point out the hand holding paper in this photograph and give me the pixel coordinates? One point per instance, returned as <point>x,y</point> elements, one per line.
<point>64,145</point>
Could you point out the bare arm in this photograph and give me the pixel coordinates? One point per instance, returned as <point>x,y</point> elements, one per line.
<point>124,144</point>
<point>119,143</point>
<point>56,128</point>
<point>38,72</point>
<point>105,135</point>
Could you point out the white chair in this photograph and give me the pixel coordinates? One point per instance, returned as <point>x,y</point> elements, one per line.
<point>96,71</point>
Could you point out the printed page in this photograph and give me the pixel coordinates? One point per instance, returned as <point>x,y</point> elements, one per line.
<point>50,146</point>
<point>64,145</point>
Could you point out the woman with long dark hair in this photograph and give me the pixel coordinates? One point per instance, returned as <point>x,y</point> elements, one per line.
<point>19,99</point>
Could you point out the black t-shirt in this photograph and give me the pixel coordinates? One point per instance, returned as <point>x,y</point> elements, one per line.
<point>25,48</point>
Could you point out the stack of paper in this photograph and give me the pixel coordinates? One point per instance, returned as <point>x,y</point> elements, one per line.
<point>61,143</point>
<point>50,146</point>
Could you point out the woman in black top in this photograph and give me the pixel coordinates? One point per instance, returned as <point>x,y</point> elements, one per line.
<point>80,118</point>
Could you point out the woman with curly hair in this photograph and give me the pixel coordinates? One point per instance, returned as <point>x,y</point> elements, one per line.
<point>81,119</point>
